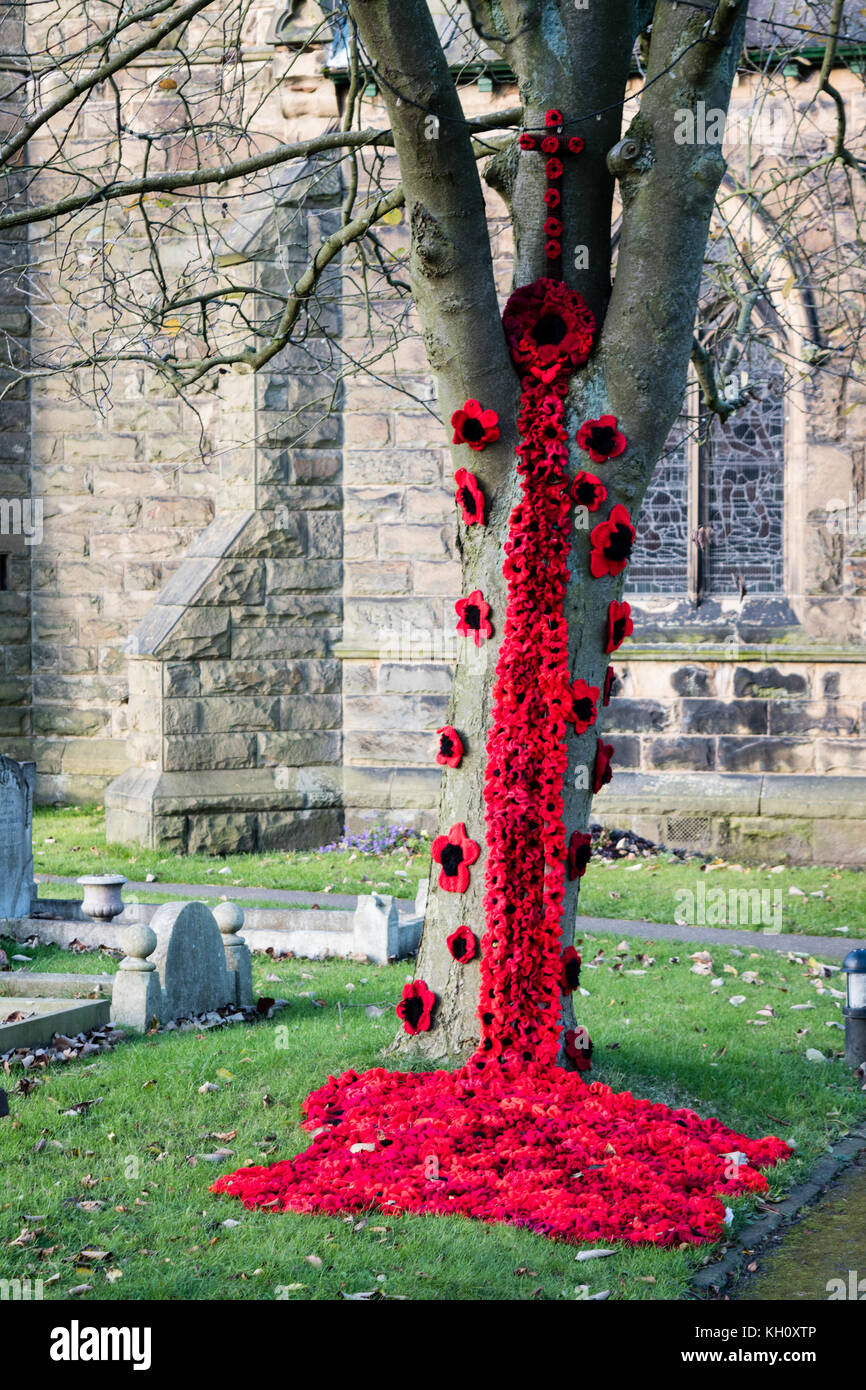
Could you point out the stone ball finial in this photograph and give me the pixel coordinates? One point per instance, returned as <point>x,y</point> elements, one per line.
<point>229,918</point>
<point>139,942</point>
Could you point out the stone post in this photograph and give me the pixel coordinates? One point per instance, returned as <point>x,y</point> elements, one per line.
<point>230,919</point>
<point>375,928</point>
<point>136,999</point>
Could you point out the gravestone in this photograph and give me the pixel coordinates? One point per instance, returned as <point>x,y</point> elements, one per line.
<point>17,781</point>
<point>191,960</point>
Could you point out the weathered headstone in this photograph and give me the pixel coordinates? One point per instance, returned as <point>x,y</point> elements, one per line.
<point>16,830</point>
<point>191,960</point>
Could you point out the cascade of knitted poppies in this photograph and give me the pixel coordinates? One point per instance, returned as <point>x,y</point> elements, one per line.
<point>550,332</point>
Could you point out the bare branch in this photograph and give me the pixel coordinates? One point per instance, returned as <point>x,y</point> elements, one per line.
<point>101,74</point>
<point>169,182</point>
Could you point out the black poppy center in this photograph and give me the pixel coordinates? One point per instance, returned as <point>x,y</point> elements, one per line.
<point>472,428</point>
<point>472,616</point>
<point>550,330</point>
<point>572,974</point>
<point>446,747</point>
<point>602,438</point>
<point>620,543</point>
<point>583,709</point>
<point>458,948</point>
<point>452,858</point>
<point>467,501</point>
<point>619,631</point>
<point>585,494</point>
<point>412,1010</point>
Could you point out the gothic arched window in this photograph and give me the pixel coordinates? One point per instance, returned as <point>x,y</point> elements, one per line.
<point>712,521</point>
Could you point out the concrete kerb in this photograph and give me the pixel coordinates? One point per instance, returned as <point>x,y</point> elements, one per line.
<point>713,1280</point>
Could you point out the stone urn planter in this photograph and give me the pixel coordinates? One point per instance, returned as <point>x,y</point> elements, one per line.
<point>102,895</point>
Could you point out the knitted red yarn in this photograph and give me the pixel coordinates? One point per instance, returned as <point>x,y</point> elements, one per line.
<point>510,1136</point>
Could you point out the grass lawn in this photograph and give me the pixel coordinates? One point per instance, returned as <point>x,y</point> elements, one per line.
<point>72,842</point>
<point>128,1181</point>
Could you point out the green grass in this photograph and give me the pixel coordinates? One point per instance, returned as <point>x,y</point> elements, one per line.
<point>666,1034</point>
<point>72,842</point>
<point>55,960</point>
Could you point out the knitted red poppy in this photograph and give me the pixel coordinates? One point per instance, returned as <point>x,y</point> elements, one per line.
<point>475,426</point>
<point>609,678</point>
<point>454,853</point>
<point>450,747</point>
<point>470,498</point>
<point>578,1047</point>
<point>601,439</point>
<point>472,612</point>
<point>583,706</point>
<point>570,978</point>
<point>588,491</point>
<point>462,944</point>
<point>619,624</point>
<point>579,854</point>
<point>611,542</point>
<point>415,1008</point>
<point>548,326</point>
<point>602,771</point>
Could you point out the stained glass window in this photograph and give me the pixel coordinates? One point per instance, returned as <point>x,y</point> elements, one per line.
<point>740,497</point>
<point>743,485</point>
<point>660,557</point>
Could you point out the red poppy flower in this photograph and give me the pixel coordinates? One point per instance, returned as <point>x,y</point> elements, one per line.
<point>570,977</point>
<point>579,854</point>
<point>578,1046</point>
<point>552,197</point>
<point>601,439</point>
<point>475,426</point>
<point>416,1007</point>
<point>454,852</point>
<point>472,612</point>
<point>548,327</point>
<point>553,226</point>
<point>611,541</point>
<point>462,944</point>
<point>583,706</point>
<point>450,747</point>
<point>553,118</point>
<point>553,168</point>
<point>550,144</point>
<point>576,144</point>
<point>619,625</point>
<point>602,771</point>
<point>470,498</point>
<point>553,250</point>
<point>610,677</point>
<point>588,491</point>
<point>527,141</point>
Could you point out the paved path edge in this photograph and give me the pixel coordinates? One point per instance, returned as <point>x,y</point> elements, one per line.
<point>714,1280</point>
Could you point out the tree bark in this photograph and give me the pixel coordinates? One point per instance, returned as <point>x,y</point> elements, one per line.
<point>577,61</point>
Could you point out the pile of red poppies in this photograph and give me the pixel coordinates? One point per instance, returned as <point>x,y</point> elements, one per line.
<point>542,1150</point>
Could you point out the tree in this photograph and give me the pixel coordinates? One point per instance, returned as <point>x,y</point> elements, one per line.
<point>661,178</point>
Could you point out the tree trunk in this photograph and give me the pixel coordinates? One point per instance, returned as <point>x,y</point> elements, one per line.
<point>576,61</point>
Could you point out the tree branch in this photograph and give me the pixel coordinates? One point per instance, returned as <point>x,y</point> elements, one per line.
<point>100,74</point>
<point>668,185</point>
<point>450,265</point>
<point>169,182</point>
